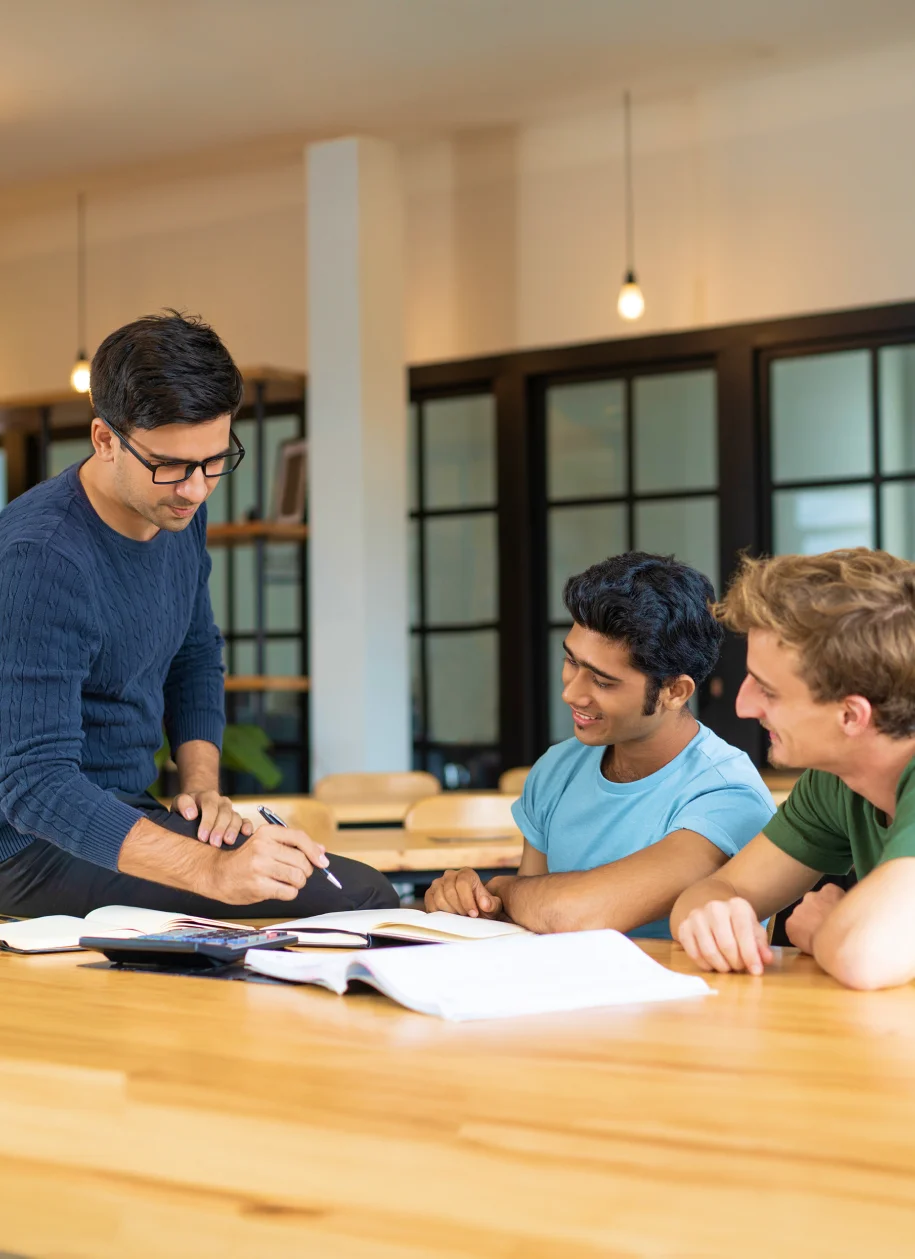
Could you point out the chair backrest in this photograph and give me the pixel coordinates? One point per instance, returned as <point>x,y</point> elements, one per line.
<point>490,813</point>
<point>302,812</point>
<point>354,788</point>
<point>513,780</point>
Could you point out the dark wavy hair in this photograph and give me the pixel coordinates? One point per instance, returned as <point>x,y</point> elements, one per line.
<point>164,369</point>
<point>658,607</point>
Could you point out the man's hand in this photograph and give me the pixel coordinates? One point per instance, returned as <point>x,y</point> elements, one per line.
<point>219,823</point>
<point>273,865</point>
<point>462,892</point>
<point>726,935</point>
<point>814,909</point>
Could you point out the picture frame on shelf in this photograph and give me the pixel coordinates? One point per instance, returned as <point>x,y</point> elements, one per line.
<point>291,489</point>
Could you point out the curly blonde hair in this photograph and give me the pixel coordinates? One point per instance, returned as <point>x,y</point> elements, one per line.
<point>850,615</point>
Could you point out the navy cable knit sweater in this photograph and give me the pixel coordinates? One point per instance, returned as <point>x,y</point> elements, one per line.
<point>101,639</point>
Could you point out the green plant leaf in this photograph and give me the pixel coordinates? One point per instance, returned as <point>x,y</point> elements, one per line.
<point>244,748</point>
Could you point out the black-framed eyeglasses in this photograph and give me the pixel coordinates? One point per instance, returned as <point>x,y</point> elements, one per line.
<point>174,472</point>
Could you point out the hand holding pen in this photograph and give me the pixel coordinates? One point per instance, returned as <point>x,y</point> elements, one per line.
<point>269,816</point>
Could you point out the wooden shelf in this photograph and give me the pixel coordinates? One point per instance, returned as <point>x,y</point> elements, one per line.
<point>250,530</point>
<point>259,682</point>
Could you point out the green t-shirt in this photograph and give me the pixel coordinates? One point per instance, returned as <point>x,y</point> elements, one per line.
<point>825,825</point>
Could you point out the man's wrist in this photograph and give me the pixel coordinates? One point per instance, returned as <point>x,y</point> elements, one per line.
<point>501,885</point>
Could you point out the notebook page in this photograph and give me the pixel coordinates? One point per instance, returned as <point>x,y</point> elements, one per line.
<point>53,933</point>
<point>327,970</point>
<point>522,975</point>
<point>145,921</point>
<point>526,975</point>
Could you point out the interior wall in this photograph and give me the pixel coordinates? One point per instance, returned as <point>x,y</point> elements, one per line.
<point>786,194</point>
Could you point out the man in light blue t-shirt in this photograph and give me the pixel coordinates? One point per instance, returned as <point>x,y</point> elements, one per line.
<point>645,800</point>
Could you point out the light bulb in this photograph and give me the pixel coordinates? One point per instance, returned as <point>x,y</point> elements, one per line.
<point>79,377</point>
<point>630,303</point>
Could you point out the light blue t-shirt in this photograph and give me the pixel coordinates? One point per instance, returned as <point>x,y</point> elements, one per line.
<point>569,811</point>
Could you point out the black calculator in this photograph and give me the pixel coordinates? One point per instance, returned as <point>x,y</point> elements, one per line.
<point>187,948</point>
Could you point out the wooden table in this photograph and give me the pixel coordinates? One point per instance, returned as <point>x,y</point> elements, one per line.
<point>394,850</point>
<point>145,1116</point>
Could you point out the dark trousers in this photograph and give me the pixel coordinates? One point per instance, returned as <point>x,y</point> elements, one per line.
<point>44,879</point>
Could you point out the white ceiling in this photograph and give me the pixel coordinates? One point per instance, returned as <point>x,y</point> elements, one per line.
<point>90,84</point>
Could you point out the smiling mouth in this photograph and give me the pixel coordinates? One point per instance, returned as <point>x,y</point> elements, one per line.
<point>583,719</point>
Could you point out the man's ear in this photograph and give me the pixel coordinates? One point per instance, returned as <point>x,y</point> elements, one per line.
<point>676,693</point>
<point>102,440</point>
<point>857,716</point>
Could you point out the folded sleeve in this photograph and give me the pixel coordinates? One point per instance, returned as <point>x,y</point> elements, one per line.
<point>48,638</point>
<point>728,816</point>
<point>194,690</point>
<point>809,825</point>
<point>532,809</point>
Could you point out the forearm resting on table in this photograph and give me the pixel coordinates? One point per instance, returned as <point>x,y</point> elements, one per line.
<point>151,852</point>
<point>625,894</point>
<point>715,888</point>
<point>868,941</point>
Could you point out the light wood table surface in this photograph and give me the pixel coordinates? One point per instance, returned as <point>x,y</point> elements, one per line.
<point>393,849</point>
<point>145,1116</point>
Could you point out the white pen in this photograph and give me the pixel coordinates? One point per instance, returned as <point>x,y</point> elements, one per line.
<point>269,816</point>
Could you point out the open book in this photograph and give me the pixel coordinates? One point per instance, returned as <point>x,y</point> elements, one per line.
<point>526,974</point>
<point>355,928</point>
<point>58,933</point>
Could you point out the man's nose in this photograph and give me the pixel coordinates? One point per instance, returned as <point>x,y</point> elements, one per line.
<point>747,704</point>
<point>195,488</point>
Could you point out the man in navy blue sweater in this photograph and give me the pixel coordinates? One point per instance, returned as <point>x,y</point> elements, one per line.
<point>106,631</point>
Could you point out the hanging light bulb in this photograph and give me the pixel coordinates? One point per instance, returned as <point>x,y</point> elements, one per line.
<point>631,302</point>
<point>79,377</point>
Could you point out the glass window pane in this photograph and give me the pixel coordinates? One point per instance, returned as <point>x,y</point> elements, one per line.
<point>282,658</point>
<point>64,451</point>
<point>686,528</point>
<point>218,502</point>
<point>821,417</point>
<point>897,408</point>
<point>898,512</point>
<point>806,522</point>
<point>243,600</point>
<point>283,586</point>
<point>586,439</point>
<point>560,714</point>
<point>459,451</point>
<point>463,687</point>
<point>413,528</point>
<point>412,456</point>
<point>278,429</point>
<point>578,537</point>
<point>675,431</point>
<point>416,686</point>
<point>218,589</point>
<point>461,569</point>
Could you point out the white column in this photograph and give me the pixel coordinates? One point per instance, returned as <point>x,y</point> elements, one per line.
<point>357,405</point>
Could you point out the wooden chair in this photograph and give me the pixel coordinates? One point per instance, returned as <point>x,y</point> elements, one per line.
<point>300,811</point>
<point>464,814</point>
<point>356,788</point>
<point>511,783</point>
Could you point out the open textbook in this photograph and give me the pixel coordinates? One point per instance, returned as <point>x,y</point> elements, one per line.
<point>525,974</point>
<point>59,933</point>
<point>414,925</point>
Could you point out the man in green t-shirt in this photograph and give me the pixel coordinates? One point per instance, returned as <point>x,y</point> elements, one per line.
<point>831,676</point>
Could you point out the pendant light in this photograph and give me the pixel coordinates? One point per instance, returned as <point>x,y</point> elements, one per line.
<point>630,303</point>
<point>79,377</point>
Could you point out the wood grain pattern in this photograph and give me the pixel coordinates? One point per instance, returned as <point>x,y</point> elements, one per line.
<point>144,1116</point>
<point>391,849</point>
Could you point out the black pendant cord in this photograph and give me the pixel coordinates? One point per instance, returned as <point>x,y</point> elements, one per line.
<point>81,274</point>
<point>629,212</point>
